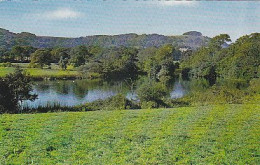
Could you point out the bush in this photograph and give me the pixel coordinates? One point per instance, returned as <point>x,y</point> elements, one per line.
<point>7,64</point>
<point>148,105</point>
<point>215,95</point>
<point>91,71</point>
<point>151,94</point>
<point>34,65</point>
<point>117,102</point>
<point>180,102</point>
<point>8,103</point>
<point>255,86</point>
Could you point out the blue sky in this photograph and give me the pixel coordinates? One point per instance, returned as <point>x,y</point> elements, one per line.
<point>75,18</point>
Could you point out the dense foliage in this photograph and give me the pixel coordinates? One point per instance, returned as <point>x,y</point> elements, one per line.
<point>106,63</point>
<point>241,60</point>
<point>158,63</point>
<point>40,58</point>
<point>14,89</point>
<point>151,94</point>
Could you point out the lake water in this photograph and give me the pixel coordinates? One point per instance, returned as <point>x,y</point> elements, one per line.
<point>76,92</point>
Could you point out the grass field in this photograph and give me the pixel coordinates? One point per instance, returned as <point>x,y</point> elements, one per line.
<point>222,134</point>
<point>42,73</point>
<point>5,70</point>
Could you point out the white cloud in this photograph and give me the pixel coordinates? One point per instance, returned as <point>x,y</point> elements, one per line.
<point>63,13</point>
<point>175,3</point>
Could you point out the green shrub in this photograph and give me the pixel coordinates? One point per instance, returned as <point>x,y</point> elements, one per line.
<point>148,105</point>
<point>216,95</point>
<point>34,65</point>
<point>255,86</point>
<point>7,64</point>
<point>180,102</point>
<point>152,94</point>
<point>117,102</point>
<point>92,75</point>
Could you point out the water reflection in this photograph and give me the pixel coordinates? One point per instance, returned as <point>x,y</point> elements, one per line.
<point>70,93</point>
<point>178,91</point>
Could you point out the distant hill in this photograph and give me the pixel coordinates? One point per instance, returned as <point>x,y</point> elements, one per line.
<point>191,40</point>
<point>193,33</point>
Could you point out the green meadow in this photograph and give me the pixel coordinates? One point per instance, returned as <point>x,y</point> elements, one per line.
<point>54,72</point>
<point>6,70</point>
<point>220,134</point>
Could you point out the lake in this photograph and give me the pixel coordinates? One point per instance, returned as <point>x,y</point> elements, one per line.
<point>76,92</point>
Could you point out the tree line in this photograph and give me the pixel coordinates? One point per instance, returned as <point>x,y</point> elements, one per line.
<point>240,60</point>
<point>97,62</point>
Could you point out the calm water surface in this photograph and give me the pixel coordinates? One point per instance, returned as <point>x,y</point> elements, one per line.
<point>76,92</point>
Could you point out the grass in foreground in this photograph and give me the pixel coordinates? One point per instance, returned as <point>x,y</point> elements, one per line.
<point>223,134</point>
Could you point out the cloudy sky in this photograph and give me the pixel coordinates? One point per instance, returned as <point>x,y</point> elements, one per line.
<point>75,18</point>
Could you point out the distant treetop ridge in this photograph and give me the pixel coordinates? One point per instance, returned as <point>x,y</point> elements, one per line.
<point>190,39</point>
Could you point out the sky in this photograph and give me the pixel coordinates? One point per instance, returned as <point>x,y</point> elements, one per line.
<point>76,18</point>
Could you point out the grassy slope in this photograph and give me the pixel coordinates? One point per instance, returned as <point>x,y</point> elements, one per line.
<point>223,134</point>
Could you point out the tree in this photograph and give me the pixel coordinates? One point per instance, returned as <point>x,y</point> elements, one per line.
<point>162,64</point>
<point>165,52</point>
<point>41,57</point>
<point>79,55</point>
<point>63,62</point>
<point>242,59</point>
<point>15,88</point>
<point>17,52</point>
<point>203,62</point>
<point>57,53</point>
<point>5,55</point>
<point>119,62</point>
<point>27,51</point>
<point>95,51</point>
<point>217,42</point>
<point>145,59</point>
<point>92,70</point>
<point>166,71</point>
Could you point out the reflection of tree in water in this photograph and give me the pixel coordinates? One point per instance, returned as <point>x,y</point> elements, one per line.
<point>178,90</point>
<point>41,87</point>
<point>115,86</point>
<point>80,88</point>
<point>198,85</point>
<point>61,87</point>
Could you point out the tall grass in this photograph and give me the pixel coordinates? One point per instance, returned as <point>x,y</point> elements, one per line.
<point>50,107</point>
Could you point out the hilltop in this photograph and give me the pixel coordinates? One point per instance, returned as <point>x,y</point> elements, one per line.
<point>191,39</point>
